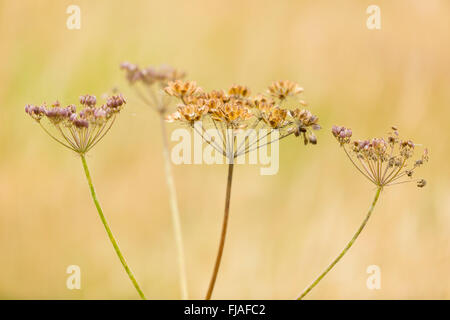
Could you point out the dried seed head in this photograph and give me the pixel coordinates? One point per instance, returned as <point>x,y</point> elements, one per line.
<point>238,91</point>
<point>312,138</point>
<point>78,131</point>
<point>275,117</point>
<point>304,121</point>
<point>235,109</point>
<point>181,89</point>
<point>34,111</point>
<point>219,95</point>
<point>407,148</point>
<point>342,134</point>
<point>383,161</point>
<point>115,101</point>
<point>88,100</point>
<point>133,73</point>
<point>284,89</point>
<point>262,102</point>
<point>188,113</point>
<point>151,75</point>
<point>421,183</point>
<point>233,113</point>
<point>153,79</point>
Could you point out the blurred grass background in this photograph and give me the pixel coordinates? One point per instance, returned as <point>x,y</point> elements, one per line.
<point>284,229</point>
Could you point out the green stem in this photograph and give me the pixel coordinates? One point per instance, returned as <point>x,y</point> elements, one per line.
<point>108,230</point>
<point>175,212</point>
<point>224,232</point>
<point>347,247</point>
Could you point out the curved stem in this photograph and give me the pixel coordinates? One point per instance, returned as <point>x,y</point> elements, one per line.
<point>108,230</point>
<point>175,212</point>
<point>347,247</point>
<point>224,232</point>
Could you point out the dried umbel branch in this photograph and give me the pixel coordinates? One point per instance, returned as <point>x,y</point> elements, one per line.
<point>78,131</point>
<point>81,131</point>
<point>149,83</point>
<point>235,110</point>
<point>383,161</point>
<point>151,75</point>
<point>228,112</point>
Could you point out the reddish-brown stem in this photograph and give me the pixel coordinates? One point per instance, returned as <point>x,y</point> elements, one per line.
<point>224,232</point>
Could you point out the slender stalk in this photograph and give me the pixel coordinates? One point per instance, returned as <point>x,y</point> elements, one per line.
<point>175,212</point>
<point>224,232</point>
<point>108,230</point>
<point>347,247</point>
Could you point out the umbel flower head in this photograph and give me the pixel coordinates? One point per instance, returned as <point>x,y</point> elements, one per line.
<point>284,89</point>
<point>384,161</point>
<point>148,82</point>
<point>78,130</point>
<point>235,109</point>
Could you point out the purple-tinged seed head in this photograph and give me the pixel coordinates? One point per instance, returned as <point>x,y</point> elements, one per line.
<point>72,108</point>
<point>88,100</point>
<point>99,113</point>
<point>81,123</point>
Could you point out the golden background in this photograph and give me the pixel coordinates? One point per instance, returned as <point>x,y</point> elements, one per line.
<point>284,229</point>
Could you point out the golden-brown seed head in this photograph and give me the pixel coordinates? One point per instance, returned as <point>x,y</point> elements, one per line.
<point>283,89</point>
<point>231,113</point>
<point>275,117</point>
<point>189,113</point>
<point>181,89</point>
<point>239,91</point>
<point>262,102</point>
<point>235,109</point>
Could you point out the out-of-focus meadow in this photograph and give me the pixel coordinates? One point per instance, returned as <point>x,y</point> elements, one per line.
<point>284,229</point>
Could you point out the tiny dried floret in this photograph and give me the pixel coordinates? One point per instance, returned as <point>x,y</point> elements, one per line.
<point>262,102</point>
<point>342,134</point>
<point>188,113</point>
<point>233,114</point>
<point>133,73</point>
<point>219,95</point>
<point>283,89</point>
<point>275,117</point>
<point>304,121</point>
<point>239,91</point>
<point>421,183</point>
<point>181,89</point>
<point>115,101</point>
<point>88,100</point>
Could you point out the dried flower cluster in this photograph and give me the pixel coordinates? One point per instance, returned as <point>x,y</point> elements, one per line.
<point>384,161</point>
<point>153,80</point>
<point>236,109</point>
<point>284,89</point>
<point>79,131</point>
<point>151,75</point>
